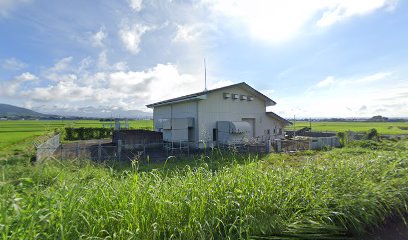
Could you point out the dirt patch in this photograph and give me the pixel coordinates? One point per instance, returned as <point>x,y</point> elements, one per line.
<point>393,229</point>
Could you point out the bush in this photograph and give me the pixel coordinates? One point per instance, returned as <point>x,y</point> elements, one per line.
<point>72,134</point>
<point>372,134</point>
<point>342,138</point>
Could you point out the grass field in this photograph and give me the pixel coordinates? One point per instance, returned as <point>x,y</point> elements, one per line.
<point>334,194</point>
<point>337,194</point>
<point>14,135</point>
<point>382,127</point>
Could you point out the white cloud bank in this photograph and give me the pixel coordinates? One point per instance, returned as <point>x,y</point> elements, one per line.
<point>12,87</point>
<point>63,86</point>
<point>277,21</point>
<point>383,93</point>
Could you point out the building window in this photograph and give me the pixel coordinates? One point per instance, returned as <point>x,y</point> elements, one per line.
<point>268,131</point>
<point>280,131</point>
<point>214,134</point>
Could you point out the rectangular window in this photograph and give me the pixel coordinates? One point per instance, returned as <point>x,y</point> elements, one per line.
<point>214,134</point>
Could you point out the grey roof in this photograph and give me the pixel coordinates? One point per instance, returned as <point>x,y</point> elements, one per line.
<point>269,102</point>
<point>274,115</point>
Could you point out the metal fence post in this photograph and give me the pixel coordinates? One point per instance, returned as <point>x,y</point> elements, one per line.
<point>99,151</point>
<point>119,149</point>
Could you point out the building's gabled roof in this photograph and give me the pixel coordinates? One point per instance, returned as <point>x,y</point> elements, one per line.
<point>200,95</point>
<point>276,116</point>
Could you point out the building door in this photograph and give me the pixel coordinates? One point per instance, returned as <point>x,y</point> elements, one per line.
<point>251,122</point>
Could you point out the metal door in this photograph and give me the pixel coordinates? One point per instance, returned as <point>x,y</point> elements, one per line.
<point>251,122</point>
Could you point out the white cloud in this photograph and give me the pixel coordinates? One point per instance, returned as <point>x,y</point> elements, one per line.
<point>347,82</point>
<point>98,37</point>
<point>24,77</point>
<point>187,33</point>
<point>268,92</point>
<point>341,10</point>
<point>136,5</point>
<point>131,36</point>
<point>158,83</point>
<point>63,91</point>
<point>8,5</point>
<point>277,21</point>
<point>11,88</point>
<point>366,79</point>
<point>57,77</point>
<point>13,64</point>
<point>103,60</point>
<point>326,82</point>
<point>219,83</point>
<point>62,64</point>
<point>355,96</point>
<point>133,89</point>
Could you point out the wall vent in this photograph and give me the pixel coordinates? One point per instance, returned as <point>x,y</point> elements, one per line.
<point>227,95</point>
<point>243,97</point>
<point>235,96</point>
<point>250,98</point>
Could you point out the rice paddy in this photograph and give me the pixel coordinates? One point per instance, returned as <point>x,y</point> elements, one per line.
<point>382,127</point>
<point>17,133</point>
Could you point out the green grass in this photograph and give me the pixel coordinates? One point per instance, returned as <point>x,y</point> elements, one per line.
<point>17,133</point>
<point>382,127</point>
<point>311,195</point>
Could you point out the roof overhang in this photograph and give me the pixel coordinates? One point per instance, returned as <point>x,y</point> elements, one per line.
<point>183,99</point>
<point>203,95</point>
<point>279,118</point>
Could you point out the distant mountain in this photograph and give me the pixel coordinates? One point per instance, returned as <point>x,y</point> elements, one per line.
<point>13,112</point>
<point>95,112</point>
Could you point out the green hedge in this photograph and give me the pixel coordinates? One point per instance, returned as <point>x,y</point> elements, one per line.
<point>83,133</point>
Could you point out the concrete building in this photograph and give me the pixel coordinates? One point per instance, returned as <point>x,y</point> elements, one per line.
<point>233,114</point>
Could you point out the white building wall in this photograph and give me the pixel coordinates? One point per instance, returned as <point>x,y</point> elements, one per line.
<point>177,110</point>
<point>216,108</point>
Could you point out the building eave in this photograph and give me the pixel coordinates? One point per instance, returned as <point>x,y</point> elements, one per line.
<point>184,99</point>
<point>203,95</point>
<point>276,116</point>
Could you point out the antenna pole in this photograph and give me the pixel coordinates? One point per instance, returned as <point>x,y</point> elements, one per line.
<point>205,76</point>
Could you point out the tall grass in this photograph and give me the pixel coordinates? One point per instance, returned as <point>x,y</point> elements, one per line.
<point>320,195</point>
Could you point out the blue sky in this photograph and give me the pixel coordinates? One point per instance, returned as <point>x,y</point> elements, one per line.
<point>333,58</point>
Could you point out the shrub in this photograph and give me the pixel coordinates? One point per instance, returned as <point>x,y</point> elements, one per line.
<point>372,134</point>
<point>72,134</point>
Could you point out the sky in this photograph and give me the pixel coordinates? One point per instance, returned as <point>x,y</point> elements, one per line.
<point>315,58</point>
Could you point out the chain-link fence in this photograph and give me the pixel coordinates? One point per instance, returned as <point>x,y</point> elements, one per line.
<point>47,149</point>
